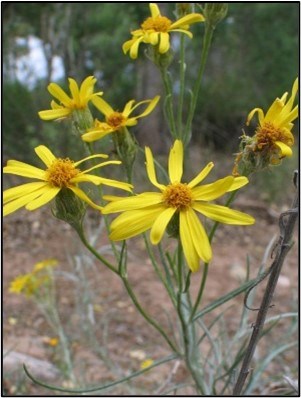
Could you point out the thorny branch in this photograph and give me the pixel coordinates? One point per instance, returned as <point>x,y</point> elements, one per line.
<point>284,245</point>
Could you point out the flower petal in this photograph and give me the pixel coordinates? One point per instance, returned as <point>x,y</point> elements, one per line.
<point>238,183</point>
<point>81,194</point>
<point>284,149</point>
<point>116,184</point>
<point>87,87</point>
<point>23,200</point>
<point>74,90</point>
<point>135,47</point>
<point>133,202</point>
<point>102,106</point>
<point>214,190</point>
<point>132,223</point>
<point>190,253</point>
<point>45,154</point>
<point>150,168</point>
<point>58,93</point>
<point>54,113</point>
<point>24,170</point>
<point>43,199</point>
<point>175,162</point>
<point>252,113</point>
<point>199,236</point>
<point>154,9</point>
<point>160,224</point>
<point>164,44</point>
<point>99,155</point>
<point>188,20</point>
<point>202,175</point>
<point>21,190</point>
<point>97,133</point>
<point>223,214</point>
<point>148,109</point>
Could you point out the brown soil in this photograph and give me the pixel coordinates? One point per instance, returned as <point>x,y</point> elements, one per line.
<point>30,237</point>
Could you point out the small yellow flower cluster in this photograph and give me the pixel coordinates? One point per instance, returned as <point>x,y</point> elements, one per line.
<point>30,283</point>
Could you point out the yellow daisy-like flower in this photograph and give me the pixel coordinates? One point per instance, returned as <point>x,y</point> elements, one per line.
<point>273,135</point>
<point>154,210</point>
<point>116,120</point>
<point>59,174</point>
<point>23,284</point>
<point>78,99</point>
<point>155,30</point>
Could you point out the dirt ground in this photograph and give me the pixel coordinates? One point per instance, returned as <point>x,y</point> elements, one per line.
<point>30,237</point>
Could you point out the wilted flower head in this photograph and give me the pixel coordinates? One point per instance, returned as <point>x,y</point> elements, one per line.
<point>273,137</point>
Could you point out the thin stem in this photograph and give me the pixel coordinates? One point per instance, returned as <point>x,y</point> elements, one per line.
<point>205,273</point>
<point>182,84</point>
<point>286,232</point>
<point>114,383</point>
<point>168,286</point>
<point>105,216</point>
<point>201,291</point>
<point>168,99</point>
<point>95,253</point>
<point>145,315</point>
<point>206,45</point>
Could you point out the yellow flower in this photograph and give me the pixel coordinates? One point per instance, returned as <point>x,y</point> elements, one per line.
<point>52,341</point>
<point>45,264</point>
<point>67,104</point>
<point>27,284</point>
<point>59,174</point>
<point>116,120</point>
<point>155,31</point>
<point>146,363</point>
<point>273,135</point>
<point>155,210</point>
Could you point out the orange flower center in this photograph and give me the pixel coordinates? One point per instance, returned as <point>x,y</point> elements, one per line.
<point>116,120</point>
<point>158,24</point>
<point>60,172</point>
<point>268,134</point>
<point>177,195</point>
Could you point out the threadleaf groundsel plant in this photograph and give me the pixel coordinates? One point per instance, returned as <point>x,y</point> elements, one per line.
<point>176,220</point>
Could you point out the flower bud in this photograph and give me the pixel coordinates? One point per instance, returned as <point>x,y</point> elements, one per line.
<point>183,9</point>
<point>215,13</point>
<point>69,208</point>
<point>82,120</point>
<point>160,60</point>
<point>126,149</point>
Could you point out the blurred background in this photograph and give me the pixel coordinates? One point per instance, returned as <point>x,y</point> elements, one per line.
<point>253,59</point>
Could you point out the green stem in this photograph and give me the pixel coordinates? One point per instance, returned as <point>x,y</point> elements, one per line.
<point>206,46</point>
<point>105,216</point>
<point>182,84</point>
<point>114,383</point>
<point>206,265</point>
<point>187,328</point>
<point>168,102</point>
<point>147,317</point>
<point>201,291</point>
<point>94,252</point>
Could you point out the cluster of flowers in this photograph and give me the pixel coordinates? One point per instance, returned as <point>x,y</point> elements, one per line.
<point>174,204</point>
<point>30,283</point>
